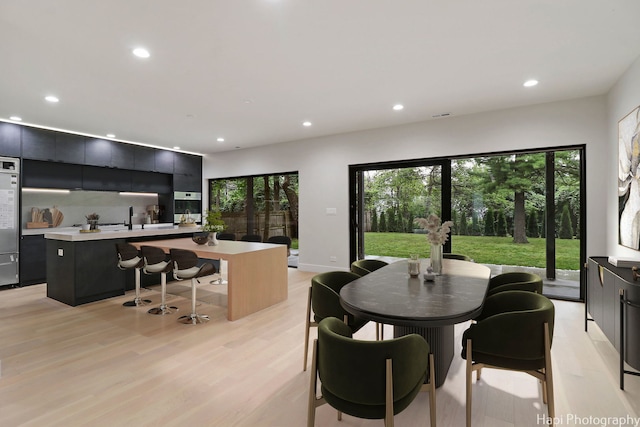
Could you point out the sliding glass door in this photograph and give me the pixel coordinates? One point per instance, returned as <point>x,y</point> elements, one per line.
<point>520,211</point>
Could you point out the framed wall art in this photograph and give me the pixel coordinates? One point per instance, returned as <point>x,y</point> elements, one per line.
<point>629,180</point>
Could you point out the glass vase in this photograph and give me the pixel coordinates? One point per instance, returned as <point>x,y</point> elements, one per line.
<point>436,259</point>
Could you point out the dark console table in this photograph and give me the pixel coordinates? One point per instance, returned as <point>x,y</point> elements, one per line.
<point>613,303</point>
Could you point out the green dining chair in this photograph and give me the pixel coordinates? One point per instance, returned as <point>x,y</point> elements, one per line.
<point>363,267</point>
<point>515,281</point>
<point>368,379</point>
<point>459,257</point>
<point>514,332</point>
<point>324,301</point>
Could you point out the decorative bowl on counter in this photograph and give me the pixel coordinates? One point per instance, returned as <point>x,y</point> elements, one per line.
<point>201,238</point>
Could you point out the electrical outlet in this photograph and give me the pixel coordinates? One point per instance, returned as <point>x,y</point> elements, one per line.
<point>60,252</point>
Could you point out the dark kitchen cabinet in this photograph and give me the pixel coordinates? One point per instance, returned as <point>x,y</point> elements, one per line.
<point>164,161</point>
<point>51,175</point>
<point>144,159</point>
<point>105,179</point>
<point>183,182</point>
<point>33,260</point>
<point>122,155</point>
<point>41,144</point>
<point>187,164</point>
<point>10,140</point>
<point>188,172</point>
<point>97,152</point>
<point>38,144</point>
<point>70,148</point>
<point>73,275</point>
<point>151,182</point>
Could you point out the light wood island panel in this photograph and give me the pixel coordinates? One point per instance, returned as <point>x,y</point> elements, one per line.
<point>257,272</point>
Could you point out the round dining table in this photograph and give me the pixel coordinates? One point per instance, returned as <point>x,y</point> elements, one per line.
<point>391,296</point>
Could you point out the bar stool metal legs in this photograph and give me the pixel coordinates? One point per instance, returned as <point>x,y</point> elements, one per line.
<point>138,300</point>
<point>129,258</point>
<point>164,308</point>
<point>194,317</point>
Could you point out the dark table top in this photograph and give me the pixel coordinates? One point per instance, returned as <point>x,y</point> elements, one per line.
<point>389,295</point>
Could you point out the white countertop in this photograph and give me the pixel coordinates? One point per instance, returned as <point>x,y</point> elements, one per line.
<point>73,234</point>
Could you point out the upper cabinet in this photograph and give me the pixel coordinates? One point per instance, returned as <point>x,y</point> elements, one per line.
<point>9,139</point>
<point>122,155</point>
<point>164,161</point>
<point>170,170</point>
<point>144,158</point>
<point>187,172</point>
<point>38,144</point>
<point>97,152</point>
<point>187,164</point>
<point>70,148</point>
<point>42,144</point>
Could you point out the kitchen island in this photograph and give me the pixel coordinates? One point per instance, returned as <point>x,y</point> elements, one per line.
<point>81,267</point>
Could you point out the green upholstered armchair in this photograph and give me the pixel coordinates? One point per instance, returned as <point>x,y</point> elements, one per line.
<point>459,257</point>
<point>515,281</point>
<point>514,331</point>
<point>365,266</point>
<point>368,379</point>
<point>324,300</point>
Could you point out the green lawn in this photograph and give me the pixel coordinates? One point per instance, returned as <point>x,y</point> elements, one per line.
<point>485,250</point>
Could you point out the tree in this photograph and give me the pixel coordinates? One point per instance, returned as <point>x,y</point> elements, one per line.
<point>475,226</point>
<point>566,228</point>
<point>291,191</point>
<point>489,225</point>
<point>501,224</point>
<point>516,173</point>
<point>532,224</point>
<point>374,221</point>
<point>383,222</point>
<point>463,225</point>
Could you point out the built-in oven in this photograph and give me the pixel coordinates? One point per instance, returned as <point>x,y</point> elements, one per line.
<point>187,204</point>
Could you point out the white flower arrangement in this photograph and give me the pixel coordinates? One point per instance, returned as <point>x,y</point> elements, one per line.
<point>437,234</point>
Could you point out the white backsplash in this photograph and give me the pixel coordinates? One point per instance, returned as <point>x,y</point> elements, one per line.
<point>111,206</point>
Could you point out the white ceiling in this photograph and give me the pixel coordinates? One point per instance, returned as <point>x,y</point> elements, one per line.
<point>252,71</point>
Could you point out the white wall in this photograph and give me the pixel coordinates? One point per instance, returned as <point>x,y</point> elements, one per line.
<point>323,163</point>
<point>622,99</point>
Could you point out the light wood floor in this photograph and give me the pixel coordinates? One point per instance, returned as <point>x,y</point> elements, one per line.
<point>102,364</point>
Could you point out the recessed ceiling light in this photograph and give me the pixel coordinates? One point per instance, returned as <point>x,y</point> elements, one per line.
<point>530,83</point>
<point>141,52</point>
<point>16,118</point>
<point>110,135</point>
<point>306,124</point>
<point>220,139</point>
<point>176,147</point>
<point>51,98</point>
<point>398,107</point>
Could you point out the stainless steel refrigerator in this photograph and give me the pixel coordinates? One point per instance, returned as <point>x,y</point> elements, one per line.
<point>9,220</point>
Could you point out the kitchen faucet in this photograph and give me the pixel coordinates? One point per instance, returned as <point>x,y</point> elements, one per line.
<point>130,217</point>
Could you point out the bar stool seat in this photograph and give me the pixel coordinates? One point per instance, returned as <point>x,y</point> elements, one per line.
<point>155,262</point>
<point>128,258</point>
<point>185,266</point>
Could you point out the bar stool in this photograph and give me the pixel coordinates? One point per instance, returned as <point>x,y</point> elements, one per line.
<point>155,262</point>
<point>128,258</point>
<point>185,266</point>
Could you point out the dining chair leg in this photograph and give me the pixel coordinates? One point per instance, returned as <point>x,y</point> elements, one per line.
<point>306,332</point>
<point>311,410</point>
<point>469,374</point>
<point>432,391</point>
<point>388,413</point>
<point>548,373</point>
